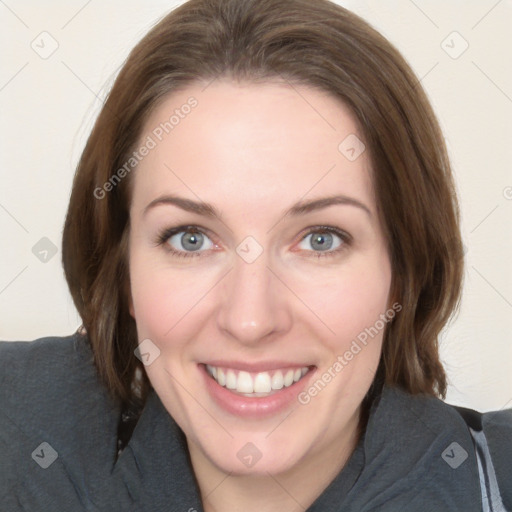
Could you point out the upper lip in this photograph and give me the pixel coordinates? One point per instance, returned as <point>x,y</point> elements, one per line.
<point>261,366</point>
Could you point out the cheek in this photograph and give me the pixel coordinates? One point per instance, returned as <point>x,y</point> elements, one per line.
<point>352,301</point>
<point>154,296</point>
<point>164,300</point>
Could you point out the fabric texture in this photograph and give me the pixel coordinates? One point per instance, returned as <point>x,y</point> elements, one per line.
<point>58,447</point>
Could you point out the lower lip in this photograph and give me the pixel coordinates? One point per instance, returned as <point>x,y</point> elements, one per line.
<point>253,407</point>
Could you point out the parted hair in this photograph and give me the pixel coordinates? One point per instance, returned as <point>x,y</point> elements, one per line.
<point>315,43</point>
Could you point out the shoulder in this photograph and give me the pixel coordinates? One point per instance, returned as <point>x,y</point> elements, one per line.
<point>423,453</point>
<point>435,417</point>
<point>52,350</point>
<point>403,408</point>
<point>461,436</point>
<point>45,380</point>
<point>54,411</point>
<point>46,371</point>
<point>492,433</point>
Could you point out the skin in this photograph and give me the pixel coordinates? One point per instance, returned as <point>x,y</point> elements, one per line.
<point>252,151</point>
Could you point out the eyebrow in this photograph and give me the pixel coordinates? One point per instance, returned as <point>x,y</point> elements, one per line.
<point>299,208</point>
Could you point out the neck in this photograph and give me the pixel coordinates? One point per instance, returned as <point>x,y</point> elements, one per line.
<point>294,490</point>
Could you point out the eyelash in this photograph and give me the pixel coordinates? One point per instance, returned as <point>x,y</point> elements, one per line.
<point>167,233</point>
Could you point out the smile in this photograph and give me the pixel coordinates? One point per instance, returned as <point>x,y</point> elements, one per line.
<point>258,384</point>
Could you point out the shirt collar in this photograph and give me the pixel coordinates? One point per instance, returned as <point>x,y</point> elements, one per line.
<point>398,461</point>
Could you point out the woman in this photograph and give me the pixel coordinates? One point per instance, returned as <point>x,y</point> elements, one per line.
<point>263,243</point>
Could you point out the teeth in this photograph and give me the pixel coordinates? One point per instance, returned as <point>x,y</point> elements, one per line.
<point>231,379</point>
<point>261,383</point>
<point>288,378</point>
<point>220,377</point>
<point>244,383</point>
<point>278,379</point>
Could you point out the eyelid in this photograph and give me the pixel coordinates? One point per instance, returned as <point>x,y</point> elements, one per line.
<point>327,229</point>
<point>167,233</point>
<point>164,235</point>
<point>346,240</point>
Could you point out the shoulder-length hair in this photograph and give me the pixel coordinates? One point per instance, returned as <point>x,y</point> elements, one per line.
<point>313,43</point>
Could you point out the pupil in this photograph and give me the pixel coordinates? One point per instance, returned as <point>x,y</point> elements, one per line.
<point>191,241</point>
<point>322,241</point>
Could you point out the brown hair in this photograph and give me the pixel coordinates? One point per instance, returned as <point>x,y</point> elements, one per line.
<point>314,43</point>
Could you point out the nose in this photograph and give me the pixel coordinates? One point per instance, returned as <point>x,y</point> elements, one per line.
<point>253,304</point>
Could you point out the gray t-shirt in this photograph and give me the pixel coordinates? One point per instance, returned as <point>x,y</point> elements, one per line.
<point>58,447</point>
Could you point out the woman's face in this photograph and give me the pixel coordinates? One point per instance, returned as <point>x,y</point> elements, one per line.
<point>256,249</point>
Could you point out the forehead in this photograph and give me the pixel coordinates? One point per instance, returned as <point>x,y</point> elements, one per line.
<point>271,143</point>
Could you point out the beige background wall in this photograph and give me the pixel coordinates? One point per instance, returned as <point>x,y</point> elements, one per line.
<point>461,50</point>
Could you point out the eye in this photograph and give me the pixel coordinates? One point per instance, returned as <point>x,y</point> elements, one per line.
<point>191,241</point>
<point>185,241</point>
<point>325,241</point>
